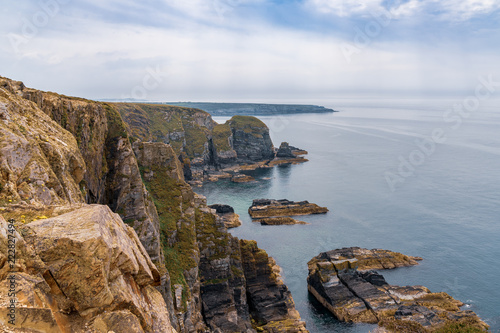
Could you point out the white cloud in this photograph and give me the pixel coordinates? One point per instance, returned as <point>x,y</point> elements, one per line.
<point>345,7</point>
<point>452,10</point>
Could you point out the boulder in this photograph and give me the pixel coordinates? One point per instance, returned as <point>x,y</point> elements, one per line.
<point>82,269</point>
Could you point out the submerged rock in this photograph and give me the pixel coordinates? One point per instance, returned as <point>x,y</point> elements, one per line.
<point>343,281</point>
<point>279,221</point>
<point>271,208</point>
<point>241,178</point>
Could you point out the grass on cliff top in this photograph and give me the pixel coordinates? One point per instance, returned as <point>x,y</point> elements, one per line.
<point>243,122</point>
<point>220,136</point>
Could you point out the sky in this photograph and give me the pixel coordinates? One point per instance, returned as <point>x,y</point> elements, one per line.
<point>250,50</point>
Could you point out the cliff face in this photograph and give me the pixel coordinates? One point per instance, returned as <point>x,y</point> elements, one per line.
<point>192,132</point>
<point>84,271</point>
<point>97,142</point>
<point>251,139</point>
<point>171,266</point>
<point>40,163</point>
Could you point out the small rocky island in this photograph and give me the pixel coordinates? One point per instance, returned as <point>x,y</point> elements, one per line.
<point>264,208</point>
<point>227,215</point>
<point>344,281</point>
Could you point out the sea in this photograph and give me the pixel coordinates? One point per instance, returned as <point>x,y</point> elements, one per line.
<point>416,176</point>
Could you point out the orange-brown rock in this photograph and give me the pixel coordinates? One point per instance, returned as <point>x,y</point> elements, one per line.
<point>241,178</point>
<point>81,270</point>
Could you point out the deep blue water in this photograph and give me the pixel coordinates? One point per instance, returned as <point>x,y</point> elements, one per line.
<point>447,211</point>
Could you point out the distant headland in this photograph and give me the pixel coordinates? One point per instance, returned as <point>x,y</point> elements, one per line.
<point>251,109</point>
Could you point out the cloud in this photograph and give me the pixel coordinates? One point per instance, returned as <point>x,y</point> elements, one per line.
<point>451,10</point>
<point>243,51</point>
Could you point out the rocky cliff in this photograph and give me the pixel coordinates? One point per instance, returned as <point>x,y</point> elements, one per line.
<point>345,283</point>
<point>83,271</point>
<point>164,262</point>
<point>203,146</point>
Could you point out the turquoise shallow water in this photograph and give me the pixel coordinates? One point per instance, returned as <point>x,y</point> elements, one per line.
<point>447,211</point>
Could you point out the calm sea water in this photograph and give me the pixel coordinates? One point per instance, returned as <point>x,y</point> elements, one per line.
<point>446,211</point>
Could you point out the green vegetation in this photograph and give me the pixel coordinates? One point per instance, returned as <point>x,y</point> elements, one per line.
<point>220,135</point>
<point>469,325</point>
<point>196,137</point>
<point>231,109</point>
<point>169,195</point>
<point>209,236</point>
<point>169,124</point>
<point>245,122</point>
<point>402,326</point>
<point>116,126</point>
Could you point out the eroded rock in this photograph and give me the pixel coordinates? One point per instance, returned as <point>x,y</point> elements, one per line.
<point>343,281</point>
<point>271,208</point>
<point>80,270</point>
<point>270,301</point>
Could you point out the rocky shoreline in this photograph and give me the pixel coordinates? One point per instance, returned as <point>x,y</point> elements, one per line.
<point>345,282</point>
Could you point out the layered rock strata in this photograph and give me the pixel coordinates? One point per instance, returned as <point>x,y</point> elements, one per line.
<point>271,208</point>
<point>343,282</point>
<point>271,303</point>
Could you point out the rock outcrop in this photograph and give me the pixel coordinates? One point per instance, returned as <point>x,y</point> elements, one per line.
<point>343,281</point>
<point>285,150</point>
<point>279,221</point>
<point>227,214</point>
<point>83,271</point>
<point>271,303</point>
<point>272,208</point>
<point>242,178</point>
<point>206,149</point>
<point>40,163</point>
<point>112,176</point>
<point>251,139</point>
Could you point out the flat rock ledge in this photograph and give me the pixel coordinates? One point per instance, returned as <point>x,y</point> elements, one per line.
<point>282,220</point>
<point>262,208</point>
<point>344,281</point>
